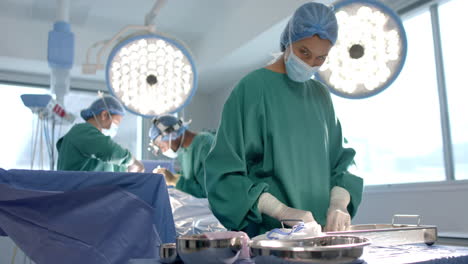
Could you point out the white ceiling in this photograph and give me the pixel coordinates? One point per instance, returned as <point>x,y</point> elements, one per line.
<point>227,38</point>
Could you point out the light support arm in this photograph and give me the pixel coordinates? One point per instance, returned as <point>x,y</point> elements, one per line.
<point>63,13</point>
<point>149,18</point>
<point>90,68</point>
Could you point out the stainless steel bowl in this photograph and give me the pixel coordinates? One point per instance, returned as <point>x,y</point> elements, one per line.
<point>168,253</point>
<point>325,249</point>
<point>200,249</point>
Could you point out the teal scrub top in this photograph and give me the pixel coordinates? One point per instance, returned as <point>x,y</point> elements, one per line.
<point>192,161</point>
<point>281,137</point>
<point>85,148</point>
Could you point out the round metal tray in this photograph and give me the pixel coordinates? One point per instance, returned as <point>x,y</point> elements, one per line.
<point>200,249</point>
<point>168,253</point>
<point>324,249</point>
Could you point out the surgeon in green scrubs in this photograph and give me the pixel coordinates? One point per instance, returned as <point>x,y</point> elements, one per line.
<point>171,136</point>
<point>278,153</point>
<point>89,146</point>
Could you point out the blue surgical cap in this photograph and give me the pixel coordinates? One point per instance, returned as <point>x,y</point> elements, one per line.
<point>107,103</point>
<point>308,20</point>
<point>170,127</point>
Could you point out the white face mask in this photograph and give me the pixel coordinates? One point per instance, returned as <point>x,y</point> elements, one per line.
<point>111,131</point>
<point>170,153</point>
<point>297,69</point>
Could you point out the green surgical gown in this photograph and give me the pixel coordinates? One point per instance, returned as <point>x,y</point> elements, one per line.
<point>192,161</point>
<point>85,148</point>
<point>281,137</point>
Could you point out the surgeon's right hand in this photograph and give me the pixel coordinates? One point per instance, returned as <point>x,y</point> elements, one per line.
<point>170,178</point>
<point>269,205</point>
<point>295,216</point>
<point>136,166</point>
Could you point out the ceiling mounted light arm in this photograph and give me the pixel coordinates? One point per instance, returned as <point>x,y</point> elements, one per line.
<point>63,13</point>
<point>149,18</point>
<point>90,68</point>
<point>95,45</point>
<point>149,27</point>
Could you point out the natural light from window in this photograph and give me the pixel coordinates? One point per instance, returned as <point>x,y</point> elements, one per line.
<point>397,133</point>
<point>453,14</point>
<point>16,141</point>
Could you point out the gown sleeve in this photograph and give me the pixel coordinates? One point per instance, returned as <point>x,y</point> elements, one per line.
<point>94,143</point>
<point>195,183</point>
<point>232,192</point>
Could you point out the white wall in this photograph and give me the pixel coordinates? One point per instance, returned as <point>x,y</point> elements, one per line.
<point>218,99</point>
<point>201,111</point>
<point>205,109</point>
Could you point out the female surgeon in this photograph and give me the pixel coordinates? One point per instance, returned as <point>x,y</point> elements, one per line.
<point>89,146</point>
<point>278,153</point>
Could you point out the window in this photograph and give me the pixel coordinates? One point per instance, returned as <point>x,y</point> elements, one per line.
<point>16,133</point>
<point>452,16</point>
<point>397,133</point>
<point>19,127</point>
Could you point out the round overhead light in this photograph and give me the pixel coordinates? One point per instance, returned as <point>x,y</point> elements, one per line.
<point>151,75</point>
<point>369,53</point>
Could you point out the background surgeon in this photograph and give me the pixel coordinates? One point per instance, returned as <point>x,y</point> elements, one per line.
<point>278,153</point>
<point>89,146</point>
<point>171,135</point>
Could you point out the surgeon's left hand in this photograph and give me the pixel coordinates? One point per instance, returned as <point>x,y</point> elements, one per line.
<point>338,218</point>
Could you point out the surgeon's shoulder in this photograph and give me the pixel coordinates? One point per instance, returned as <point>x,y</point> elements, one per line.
<point>255,80</point>
<point>82,130</point>
<point>251,84</point>
<point>206,137</point>
<point>323,91</point>
<point>318,85</point>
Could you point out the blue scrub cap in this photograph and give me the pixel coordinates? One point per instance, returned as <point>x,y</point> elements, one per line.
<point>170,127</point>
<point>107,103</point>
<point>308,20</point>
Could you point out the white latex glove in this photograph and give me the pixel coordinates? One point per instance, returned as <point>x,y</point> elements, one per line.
<point>170,178</point>
<point>338,218</point>
<point>269,205</point>
<point>136,166</point>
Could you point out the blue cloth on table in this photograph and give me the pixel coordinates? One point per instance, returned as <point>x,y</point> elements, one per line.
<point>149,187</point>
<point>96,225</point>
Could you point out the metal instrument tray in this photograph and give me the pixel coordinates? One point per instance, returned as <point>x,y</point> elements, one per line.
<point>393,234</point>
<point>201,249</point>
<point>324,249</point>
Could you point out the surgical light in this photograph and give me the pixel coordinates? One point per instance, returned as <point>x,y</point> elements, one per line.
<point>369,53</point>
<point>149,72</point>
